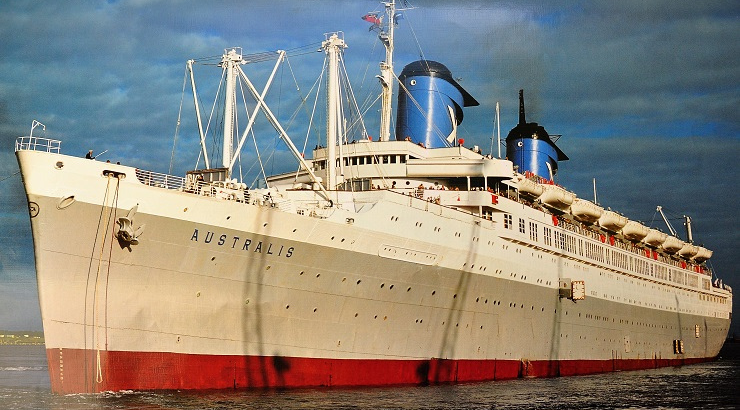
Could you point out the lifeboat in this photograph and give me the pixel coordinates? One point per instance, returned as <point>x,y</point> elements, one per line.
<point>612,221</point>
<point>585,211</point>
<point>634,230</point>
<point>688,250</point>
<point>655,238</point>
<point>556,197</point>
<point>529,187</point>
<point>702,254</point>
<point>673,244</point>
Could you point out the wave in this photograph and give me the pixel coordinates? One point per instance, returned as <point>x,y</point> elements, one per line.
<point>22,368</point>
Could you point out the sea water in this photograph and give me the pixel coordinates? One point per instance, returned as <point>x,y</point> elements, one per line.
<point>24,384</point>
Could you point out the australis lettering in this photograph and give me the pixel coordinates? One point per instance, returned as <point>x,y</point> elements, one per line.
<point>245,244</point>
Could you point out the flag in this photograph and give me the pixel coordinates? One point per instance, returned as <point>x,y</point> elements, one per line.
<point>372,18</point>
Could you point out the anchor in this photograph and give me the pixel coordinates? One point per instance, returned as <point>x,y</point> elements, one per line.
<point>126,234</point>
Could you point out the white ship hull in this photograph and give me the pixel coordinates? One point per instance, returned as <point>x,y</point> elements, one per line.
<point>219,293</point>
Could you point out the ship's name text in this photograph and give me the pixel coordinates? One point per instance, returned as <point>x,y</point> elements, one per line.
<point>245,244</point>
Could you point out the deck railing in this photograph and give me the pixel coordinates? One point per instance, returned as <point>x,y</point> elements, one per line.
<point>157,179</point>
<point>38,144</point>
<point>218,189</point>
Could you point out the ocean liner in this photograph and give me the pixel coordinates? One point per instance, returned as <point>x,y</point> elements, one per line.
<point>406,260</point>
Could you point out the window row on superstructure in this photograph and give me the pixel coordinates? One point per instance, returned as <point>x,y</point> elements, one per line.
<point>592,247</point>
<point>367,160</point>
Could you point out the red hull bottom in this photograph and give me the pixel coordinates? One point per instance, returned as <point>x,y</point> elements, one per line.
<point>80,371</point>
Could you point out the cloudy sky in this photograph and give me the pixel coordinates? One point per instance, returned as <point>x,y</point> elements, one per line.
<point>645,94</point>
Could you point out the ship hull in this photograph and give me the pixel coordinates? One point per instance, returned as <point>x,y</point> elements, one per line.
<point>220,294</point>
<point>178,371</point>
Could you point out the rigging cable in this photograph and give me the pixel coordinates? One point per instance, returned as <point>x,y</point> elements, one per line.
<point>179,119</point>
<point>317,85</point>
<point>104,221</point>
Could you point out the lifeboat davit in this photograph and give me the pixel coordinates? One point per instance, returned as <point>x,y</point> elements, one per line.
<point>688,250</point>
<point>634,230</point>
<point>673,244</point>
<point>702,254</point>
<point>556,197</point>
<point>612,221</point>
<point>529,187</point>
<point>655,238</point>
<point>585,211</point>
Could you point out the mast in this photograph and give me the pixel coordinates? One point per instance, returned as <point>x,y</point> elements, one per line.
<point>333,47</point>
<point>522,115</point>
<point>228,62</point>
<point>386,70</point>
<point>498,129</point>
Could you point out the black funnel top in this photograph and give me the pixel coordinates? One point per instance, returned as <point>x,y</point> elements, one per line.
<point>435,69</point>
<point>531,130</point>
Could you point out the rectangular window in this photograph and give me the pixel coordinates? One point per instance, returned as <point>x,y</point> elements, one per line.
<point>522,227</point>
<point>508,221</point>
<point>533,231</point>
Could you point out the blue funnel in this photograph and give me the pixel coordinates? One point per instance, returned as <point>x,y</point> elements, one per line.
<point>429,104</point>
